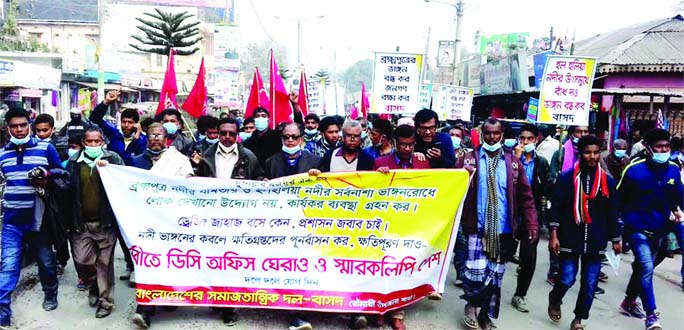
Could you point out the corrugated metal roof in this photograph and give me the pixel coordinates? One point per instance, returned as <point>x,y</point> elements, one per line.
<point>81,11</point>
<point>659,42</point>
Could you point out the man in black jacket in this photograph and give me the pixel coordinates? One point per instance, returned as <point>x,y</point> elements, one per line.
<point>537,175</point>
<point>264,142</point>
<point>585,218</point>
<point>350,156</point>
<point>171,120</point>
<point>293,159</point>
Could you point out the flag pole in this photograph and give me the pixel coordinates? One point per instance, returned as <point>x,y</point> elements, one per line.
<point>187,127</point>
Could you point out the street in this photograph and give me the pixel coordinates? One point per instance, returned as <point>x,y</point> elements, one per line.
<point>74,312</point>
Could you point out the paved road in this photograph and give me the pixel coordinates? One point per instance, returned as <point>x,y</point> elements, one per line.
<point>74,312</point>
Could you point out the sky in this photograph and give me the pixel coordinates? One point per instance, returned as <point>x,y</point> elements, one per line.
<point>351,30</point>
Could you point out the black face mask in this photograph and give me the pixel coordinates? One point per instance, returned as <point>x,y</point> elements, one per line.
<point>75,118</point>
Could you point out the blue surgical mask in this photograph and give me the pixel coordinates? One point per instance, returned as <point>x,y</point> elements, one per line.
<point>661,157</point>
<point>21,141</point>
<point>364,135</point>
<point>170,128</point>
<point>71,152</point>
<point>491,148</point>
<point>155,152</point>
<point>291,151</point>
<point>244,136</point>
<point>529,148</point>
<point>310,132</point>
<point>619,153</point>
<point>211,141</point>
<point>201,137</point>
<point>575,140</point>
<point>261,123</point>
<point>509,143</point>
<point>456,141</point>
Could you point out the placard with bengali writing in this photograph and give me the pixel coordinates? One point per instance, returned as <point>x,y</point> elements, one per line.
<point>316,90</point>
<point>396,81</point>
<point>565,93</point>
<point>342,242</point>
<point>454,102</point>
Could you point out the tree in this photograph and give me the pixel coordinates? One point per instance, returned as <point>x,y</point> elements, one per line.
<point>358,72</point>
<point>169,32</point>
<point>323,74</point>
<point>10,37</point>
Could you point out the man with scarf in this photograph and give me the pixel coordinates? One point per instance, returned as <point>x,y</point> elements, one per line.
<point>616,161</point>
<point>563,160</point>
<point>650,194</point>
<point>584,219</point>
<point>330,136</point>
<point>94,224</point>
<point>293,160</point>
<point>498,197</point>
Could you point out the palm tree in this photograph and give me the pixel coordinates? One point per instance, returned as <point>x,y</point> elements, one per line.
<point>168,32</point>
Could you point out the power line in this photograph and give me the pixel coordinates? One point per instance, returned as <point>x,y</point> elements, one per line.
<point>260,23</point>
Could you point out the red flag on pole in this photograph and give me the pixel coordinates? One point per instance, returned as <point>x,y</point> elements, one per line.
<point>303,98</point>
<point>365,105</point>
<point>196,103</point>
<point>167,99</point>
<point>258,97</point>
<point>354,112</point>
<point>281,108</point>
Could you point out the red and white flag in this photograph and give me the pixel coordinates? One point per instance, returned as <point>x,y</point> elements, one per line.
<point>196,103</point>
<point>281,108</point>
<point>167,99</point>
<point>258,97</point>
<point>303,98</point>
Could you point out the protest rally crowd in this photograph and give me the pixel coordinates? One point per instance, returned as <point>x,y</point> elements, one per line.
<point>594,204</point>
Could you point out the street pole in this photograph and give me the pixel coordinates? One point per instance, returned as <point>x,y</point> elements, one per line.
<point>100,66</point>
<point>299,41</point>
<point>457,42</point>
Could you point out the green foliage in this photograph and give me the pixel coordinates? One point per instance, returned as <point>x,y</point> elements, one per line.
<point>10,38</point>
<point>167,31</point>
<point>358,72</point>
<point>325,75</point>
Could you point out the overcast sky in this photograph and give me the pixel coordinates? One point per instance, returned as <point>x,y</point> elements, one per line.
<point>357,28</point>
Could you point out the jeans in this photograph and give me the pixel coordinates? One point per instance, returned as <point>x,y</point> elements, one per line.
<point>645,248</point>
<point>460,254</point>
<point>13,237</point>
<point>591,266</point>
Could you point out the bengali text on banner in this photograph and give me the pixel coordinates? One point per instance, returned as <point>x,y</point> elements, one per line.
<point>342,242</point>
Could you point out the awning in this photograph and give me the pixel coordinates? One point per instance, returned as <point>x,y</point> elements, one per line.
<point>106,86</point>
<point>642,92</point>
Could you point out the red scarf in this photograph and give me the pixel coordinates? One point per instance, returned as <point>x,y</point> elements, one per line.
<point>581,198</point>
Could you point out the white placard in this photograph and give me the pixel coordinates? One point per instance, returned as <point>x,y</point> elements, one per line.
<point>396,83</point>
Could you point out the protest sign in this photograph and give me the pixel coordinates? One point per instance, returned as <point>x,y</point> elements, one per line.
<point>453,102</point>
<point>316,90</point>
<point>532,108</point>
<point>565,94</point>
<point>343,242</point>
<point>446,51</point>
<point>396,80</point>
<point>425,96</point>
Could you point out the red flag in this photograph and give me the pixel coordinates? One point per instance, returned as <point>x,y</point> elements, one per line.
<point>257,95</point>
<point>196,103</point>
<point>281,108</point>
<point>354,112</point>
<point>365,105</point>
<point>303,98</point>
<point>167,99</point>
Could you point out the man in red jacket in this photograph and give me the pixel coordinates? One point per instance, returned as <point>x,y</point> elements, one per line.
<point>401,158</point>
<point>498,196</point>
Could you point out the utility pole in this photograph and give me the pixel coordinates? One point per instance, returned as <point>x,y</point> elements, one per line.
<point>100,66</point>
<point>335,81</point>
<point>427,48</point>
<point>457,43</point>
<point>299,42</point>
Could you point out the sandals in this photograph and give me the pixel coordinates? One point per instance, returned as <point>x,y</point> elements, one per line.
<point>554,312</point>
<point>470,317</point>
<point>576,325</point>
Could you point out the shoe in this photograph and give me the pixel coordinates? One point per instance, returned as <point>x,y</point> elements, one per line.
<point>520,303</point>
<point>398,324</point>
<point>485,322</point>
<point>602,277</point>
<point>434,296</point>
<point>298,323</point>
<point>599,290</point>
<point>142,320</point>
<point>126,276</point>
<point>459,283</point>
<point>632,309</point>
<point>228,316</point>
<point>102,312</point>
<point>93,296</point>
<point>131,280</point>
<point>81,286</point>
<point>50,303</point>
<point>653,322</point>
<point>59,269</point>
<point>5,324</point>
<point>576,325</point>
<point>470,317</point>
<point>358,322</point>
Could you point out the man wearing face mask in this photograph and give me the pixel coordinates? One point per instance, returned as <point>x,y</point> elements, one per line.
<point>264,142</point>
<point>616,161</point>
<point>365,129</point>
<point>330,136</point>
<point>20,224</point>
<point>459,140</point>
<point>293,160</point>
<point>128,141</point>
<point>171,120</point>
<point>537,175</point>
<point>565,157</point>
<point>76,125</point>
<point>498,200</point>
<point>247,129</point>
<point>381,137</point>
<point>311,132</point>
<point>95,228</point>
<point>348,157</point>
<point>210,137</point>
<point>161,159</point>
<point>649,192</point>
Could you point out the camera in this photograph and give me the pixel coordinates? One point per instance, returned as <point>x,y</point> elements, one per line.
<point>38,173</point>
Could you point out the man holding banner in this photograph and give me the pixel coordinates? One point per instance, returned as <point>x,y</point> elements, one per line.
<point>498,196</point>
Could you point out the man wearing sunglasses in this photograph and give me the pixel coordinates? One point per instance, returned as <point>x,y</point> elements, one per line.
<point>293,159</point>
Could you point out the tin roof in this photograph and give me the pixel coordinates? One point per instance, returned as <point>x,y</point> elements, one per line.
<point>654,46</point>
<point>81,11</point>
